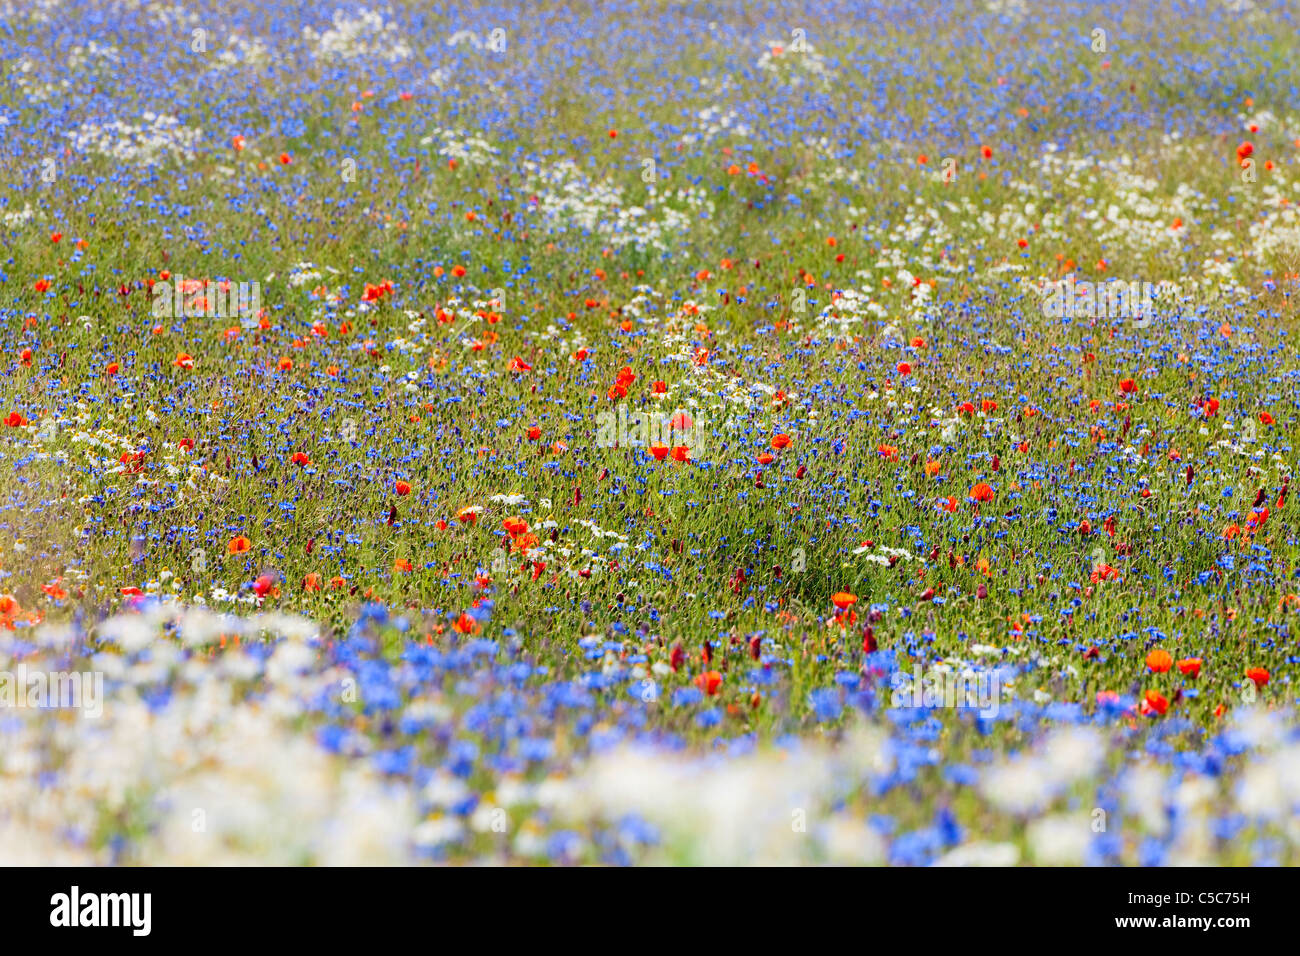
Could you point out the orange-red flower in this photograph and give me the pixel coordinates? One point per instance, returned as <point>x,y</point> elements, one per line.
<point>709,682</point>
<point>780,441</point>
<point>1257,675</point>
<point>1190,666</point>
<point>1257,518</point>
<point>681,422</point>
<point>982,492</point>
<point>1153,703</point>
<point>1159,661</point>
<point>843,599</point>
<point>238,545</point>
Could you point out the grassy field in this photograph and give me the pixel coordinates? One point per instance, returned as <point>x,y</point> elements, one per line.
<point>637,422</point>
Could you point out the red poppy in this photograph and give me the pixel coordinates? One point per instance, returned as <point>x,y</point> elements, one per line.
<point>402,487</point>
<point>982,492</point>
<point>1258,676</point>
<point>1190,666</point>
<point>1153,703</point>
<point>780,441</point>
<point>709,682</point>
<point>1104,572</point>
<point>1159,661</point>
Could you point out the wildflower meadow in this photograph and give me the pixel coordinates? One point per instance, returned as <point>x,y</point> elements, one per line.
<point>649,432</point>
